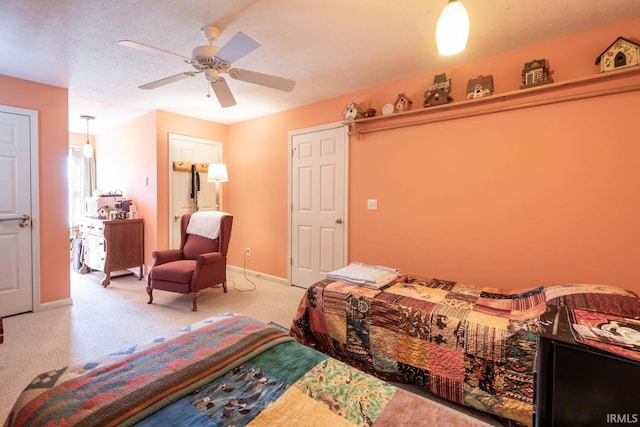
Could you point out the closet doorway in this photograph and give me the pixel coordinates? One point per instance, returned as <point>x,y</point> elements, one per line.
<point>194,150</point>
<point>318,197</point>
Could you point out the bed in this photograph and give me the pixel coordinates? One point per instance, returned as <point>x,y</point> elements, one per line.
<point>225,370</point>
<point>470,345</point>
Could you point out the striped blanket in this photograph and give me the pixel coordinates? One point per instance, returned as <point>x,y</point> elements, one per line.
<point>226,370</point>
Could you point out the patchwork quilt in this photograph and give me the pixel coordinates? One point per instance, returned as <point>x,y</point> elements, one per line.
<point>226,370</point>
<point>473,346</point>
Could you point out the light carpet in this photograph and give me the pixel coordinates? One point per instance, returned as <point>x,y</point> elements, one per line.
<point>103,320</point>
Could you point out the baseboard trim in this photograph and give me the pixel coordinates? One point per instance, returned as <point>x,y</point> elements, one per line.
<point>55,304</point>
<point>258,274</point>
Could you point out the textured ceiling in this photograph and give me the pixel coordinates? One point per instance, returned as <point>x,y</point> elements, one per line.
<point>329,47</point>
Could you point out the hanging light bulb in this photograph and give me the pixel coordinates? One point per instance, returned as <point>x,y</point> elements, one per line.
<point>87,150</point>
<point>452,30</point>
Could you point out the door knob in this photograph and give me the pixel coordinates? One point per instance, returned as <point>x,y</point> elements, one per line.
<point>339,221</point>
<point>176,217</point>
<point>26,220</point>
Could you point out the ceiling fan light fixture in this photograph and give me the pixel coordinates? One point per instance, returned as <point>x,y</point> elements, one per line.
<point>452,29</point>
<point>87,150</point>
<point>211,74</point>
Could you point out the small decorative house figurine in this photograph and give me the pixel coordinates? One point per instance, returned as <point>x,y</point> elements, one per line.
<point>402,103</point>
<point>105,211</point>
<point>622,53</point>
<point>438,92</point>
<point>535,73</point>
<point>352,111</point>
<point>479,87</point>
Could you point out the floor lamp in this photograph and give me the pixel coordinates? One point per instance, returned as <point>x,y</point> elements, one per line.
<point>217,173</point>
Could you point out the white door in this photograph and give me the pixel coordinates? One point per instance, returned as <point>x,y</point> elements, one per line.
<point>190,150</point>
<point>318,193</point>
<point>18,139</point>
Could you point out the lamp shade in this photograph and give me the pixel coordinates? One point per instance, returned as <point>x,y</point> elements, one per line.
<point>87,150</point>
<point>452,29</point>
<point>217,173</point>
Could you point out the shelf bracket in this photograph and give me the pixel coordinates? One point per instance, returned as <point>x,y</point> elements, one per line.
<point>355,129</point>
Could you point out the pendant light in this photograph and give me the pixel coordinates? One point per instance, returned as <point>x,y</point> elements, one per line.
<point>87,150</point>
<point>452,29</point>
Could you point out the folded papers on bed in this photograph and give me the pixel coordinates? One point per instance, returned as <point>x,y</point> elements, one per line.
<point>356,273</point>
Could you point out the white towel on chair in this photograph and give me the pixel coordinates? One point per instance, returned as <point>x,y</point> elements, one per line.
<point>205,224</point>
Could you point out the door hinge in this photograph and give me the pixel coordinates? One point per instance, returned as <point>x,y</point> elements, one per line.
<point>291,260</point>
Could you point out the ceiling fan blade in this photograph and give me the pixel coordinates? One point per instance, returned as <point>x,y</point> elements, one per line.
<point>168,80</point>
<point>239,46</point>
<point>223,93</point>
<point>262,79</point>
<point>147,48</point>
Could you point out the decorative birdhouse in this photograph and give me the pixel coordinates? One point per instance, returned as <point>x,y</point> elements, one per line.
<point>352,111</point>
<point>535,73</point>
<point>104,211</point>
<point>479,87</point>
<point>402,103</point>
<point>438,92</point>
<point>622,53</point>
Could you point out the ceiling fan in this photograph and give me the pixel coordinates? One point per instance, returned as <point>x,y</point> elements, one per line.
<point>213,61</point>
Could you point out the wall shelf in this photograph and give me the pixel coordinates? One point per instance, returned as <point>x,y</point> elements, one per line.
<point>468,108</point>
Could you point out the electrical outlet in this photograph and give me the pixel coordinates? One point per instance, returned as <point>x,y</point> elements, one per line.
<point>248,251</point>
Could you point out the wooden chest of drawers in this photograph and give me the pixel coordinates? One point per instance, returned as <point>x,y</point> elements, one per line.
<point>113,245</point>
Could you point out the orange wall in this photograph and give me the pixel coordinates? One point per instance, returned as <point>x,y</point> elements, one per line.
<point>125,156</point>
<point>52,106</point>
<point>80,139</point>
<point>257,157</point>
<point>129,153</point>
<point>533,196</point>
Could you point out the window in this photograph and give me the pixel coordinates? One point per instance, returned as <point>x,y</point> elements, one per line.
<point>82,177</point>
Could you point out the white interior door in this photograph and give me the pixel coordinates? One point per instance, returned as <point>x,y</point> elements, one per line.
<point>193,150</point>
<point>318,193</point>
<point>18,139</point>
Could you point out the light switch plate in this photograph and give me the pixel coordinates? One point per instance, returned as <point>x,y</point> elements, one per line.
<point>372,204</point>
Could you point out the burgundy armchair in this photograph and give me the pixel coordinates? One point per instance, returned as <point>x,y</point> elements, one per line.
<point>200,262</point>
